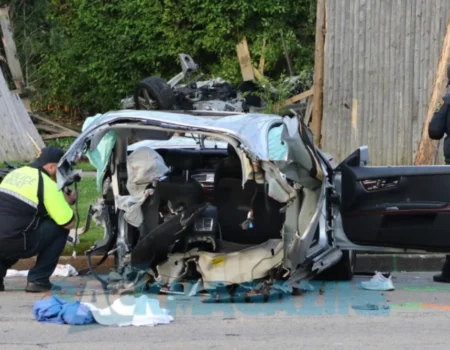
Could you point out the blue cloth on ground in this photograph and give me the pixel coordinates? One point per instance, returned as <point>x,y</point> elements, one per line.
<point>57,310</point>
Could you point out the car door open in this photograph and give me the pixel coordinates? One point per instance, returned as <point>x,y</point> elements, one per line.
<point>395,206</point>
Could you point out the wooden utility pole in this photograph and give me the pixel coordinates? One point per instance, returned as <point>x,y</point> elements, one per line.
<point>316,122</point>
<point>426,153</point>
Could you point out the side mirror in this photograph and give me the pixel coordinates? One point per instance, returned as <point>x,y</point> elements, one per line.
<point>358,158</point>
<point>364,158</point>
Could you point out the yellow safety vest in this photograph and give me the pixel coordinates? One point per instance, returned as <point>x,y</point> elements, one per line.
<point>22,184</point>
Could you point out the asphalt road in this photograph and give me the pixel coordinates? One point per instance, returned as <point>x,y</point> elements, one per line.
<point>414,316</point>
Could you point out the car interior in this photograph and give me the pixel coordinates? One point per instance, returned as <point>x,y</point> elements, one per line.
<point>208,183</point>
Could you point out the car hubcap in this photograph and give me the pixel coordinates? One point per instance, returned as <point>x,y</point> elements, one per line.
<point>145,101</point>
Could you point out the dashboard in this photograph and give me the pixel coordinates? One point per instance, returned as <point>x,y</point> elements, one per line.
<point>206,179</point>
<point>206,161</point>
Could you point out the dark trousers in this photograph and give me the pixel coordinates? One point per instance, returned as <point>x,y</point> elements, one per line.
<point>47,242</point>
<point>446,267</point>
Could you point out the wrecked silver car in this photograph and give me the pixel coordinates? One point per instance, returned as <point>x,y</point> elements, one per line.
<point>269,207</point>
<point>257,210</point>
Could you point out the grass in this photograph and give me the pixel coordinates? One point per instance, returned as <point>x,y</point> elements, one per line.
<point>85,166</point>
<point>87,195</point>
<point>3,165</point>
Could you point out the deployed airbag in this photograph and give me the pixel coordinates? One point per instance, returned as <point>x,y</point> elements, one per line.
<point>100,156</point>
<point>144,167</point>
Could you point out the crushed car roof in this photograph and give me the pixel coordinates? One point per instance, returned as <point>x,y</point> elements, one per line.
<point>250,129</point>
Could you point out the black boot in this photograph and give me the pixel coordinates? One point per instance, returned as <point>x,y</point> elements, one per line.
<point>2,286</point>
<point>444,276</point>
<point>41,287</point>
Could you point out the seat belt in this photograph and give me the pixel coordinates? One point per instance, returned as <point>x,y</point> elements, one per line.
<point>40,211</point>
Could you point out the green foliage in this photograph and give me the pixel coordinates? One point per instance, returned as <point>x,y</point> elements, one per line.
<point>88,54</point>
<point>273,93</point>
<point>62,142</point>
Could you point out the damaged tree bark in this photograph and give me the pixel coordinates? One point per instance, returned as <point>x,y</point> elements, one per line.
<point>10,49</point>
<point>245,61</point>
<point>427,147</point>
<point>316,122</point>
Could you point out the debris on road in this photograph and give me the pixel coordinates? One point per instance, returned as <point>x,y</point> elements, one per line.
<point>370,307</point>
<point>60,271</point>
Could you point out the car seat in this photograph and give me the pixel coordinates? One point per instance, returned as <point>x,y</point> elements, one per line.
<point>178,190</point>
<point>228,168</point>
<point>234,203</point>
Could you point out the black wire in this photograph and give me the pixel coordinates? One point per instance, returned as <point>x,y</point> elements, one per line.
<point>77,213</point>
<point>92,269</point>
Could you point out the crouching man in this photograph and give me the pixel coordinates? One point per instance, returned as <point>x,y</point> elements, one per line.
<point>35,219</point>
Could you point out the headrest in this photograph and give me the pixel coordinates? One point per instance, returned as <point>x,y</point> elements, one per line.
<point>183,159</point>
<point>231,151</point>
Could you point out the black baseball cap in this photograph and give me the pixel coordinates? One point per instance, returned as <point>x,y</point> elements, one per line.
<point>48,155</point>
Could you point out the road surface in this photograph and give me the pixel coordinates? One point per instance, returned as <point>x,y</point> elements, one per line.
<point>414,316</point>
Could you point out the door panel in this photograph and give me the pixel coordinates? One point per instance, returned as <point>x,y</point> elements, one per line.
<point>401,207</point>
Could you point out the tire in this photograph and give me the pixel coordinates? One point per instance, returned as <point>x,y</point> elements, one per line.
<point>343,271</point>
<point>157,93</point>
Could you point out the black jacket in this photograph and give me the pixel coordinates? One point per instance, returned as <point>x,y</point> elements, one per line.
<point>440,125</point>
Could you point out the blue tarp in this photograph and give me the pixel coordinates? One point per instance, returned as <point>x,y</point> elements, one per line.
<point>57,310</point>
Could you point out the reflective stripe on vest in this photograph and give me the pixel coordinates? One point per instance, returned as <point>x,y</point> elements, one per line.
<point>19,197</point>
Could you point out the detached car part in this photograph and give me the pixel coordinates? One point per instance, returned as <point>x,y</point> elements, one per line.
<point>154,93</point>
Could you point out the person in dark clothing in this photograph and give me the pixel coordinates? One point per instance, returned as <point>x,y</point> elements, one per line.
<point>36,218</point>
<point>440,126</point>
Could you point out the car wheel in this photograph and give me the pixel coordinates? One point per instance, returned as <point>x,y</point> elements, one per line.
<point>154,93</point>
<point>343,271</point>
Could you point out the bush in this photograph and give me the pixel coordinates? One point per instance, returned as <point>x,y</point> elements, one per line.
<point>88,54</point>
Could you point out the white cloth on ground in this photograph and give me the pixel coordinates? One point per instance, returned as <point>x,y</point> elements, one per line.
<point>60,271</point>
<point>131,311</point>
